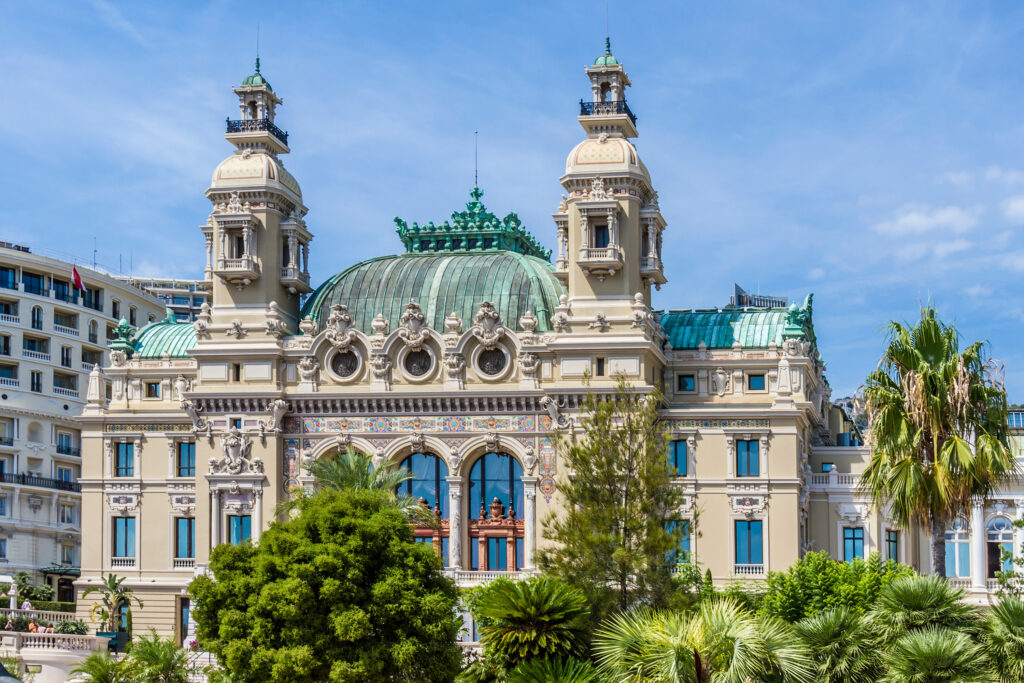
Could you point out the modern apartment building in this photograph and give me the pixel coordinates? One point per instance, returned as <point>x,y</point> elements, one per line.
<point>51,335</point>
<point>184,297</point>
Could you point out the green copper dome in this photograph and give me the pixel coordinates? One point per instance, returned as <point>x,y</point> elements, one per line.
<point>452,267</point>
<point>257,78</point>
<point>607,59</point>
<point>167,336</point>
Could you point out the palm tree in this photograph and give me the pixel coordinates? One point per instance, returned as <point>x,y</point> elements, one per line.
<point>115,595</point>
<point>541,617</point>
<point>718,642</point>
<point>158,659</point>
<point>936,655</point>
<point>354,471</point>
<point>1002,638</point>
<point>843,646</point>
<point>913,603</point>
<point>98,667</point>
<point>550,670</point>
<point>938,430</point>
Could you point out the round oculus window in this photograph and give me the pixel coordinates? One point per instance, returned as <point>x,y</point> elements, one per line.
<point>417,363</point>
<point>345,363</point>
<point>492,361</point>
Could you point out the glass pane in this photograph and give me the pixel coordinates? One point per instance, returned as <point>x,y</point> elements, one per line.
<point>429,483</point>
<point>474,553</point>
<point>756,554</point>
<point>130,536</point>
<point>742,542</point>
<point>964,559</point>
<point>519,554</point>
<point>495,475</point>
<point>444,550</point>
<point>1007,563</point>
<point>497,554</point>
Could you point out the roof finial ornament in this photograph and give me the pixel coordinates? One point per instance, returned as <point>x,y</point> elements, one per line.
<point>257,47</point>
<point>476,159</point>
<point>607,45</point>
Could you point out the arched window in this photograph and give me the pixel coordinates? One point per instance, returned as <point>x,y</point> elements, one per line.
<point>999,535</point>
<point>958,549</point>
<point>37,318</point>
<point>429,486</point>
<point>93,334</point>
<point>496,497</point>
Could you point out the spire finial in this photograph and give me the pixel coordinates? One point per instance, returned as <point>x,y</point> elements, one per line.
<point>607,45</point>
<point>257,47</point>
<point>476,157</point>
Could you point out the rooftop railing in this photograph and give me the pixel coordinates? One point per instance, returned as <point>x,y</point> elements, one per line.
<point>253,125</point>
<point>606,108</point>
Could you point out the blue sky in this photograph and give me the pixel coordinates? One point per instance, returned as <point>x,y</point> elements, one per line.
<point>870,152</point>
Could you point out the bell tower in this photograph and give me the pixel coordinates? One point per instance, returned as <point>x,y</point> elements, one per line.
<point>257,243</point>
<point>609,224</point>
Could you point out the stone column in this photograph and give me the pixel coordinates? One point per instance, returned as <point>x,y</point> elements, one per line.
<point>223,247</point>
<point>293,246</point>
<point>530,521</point>
<point>454,522</point>
<point>305,259</point>
<point>208,273</point>
<point>979,558</point>
<point>613,229</point>
<point>652,247</point>
<point>214,518</point>
<point>257,514</point>
<point>1018,533</point>
<point>246,242</point>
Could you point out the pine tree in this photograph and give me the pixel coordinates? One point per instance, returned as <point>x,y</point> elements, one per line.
<point>618,528</point>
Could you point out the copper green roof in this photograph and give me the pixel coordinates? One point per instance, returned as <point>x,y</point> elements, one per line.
<point>442,283</point>
<point>475,229</point>
<point>167,336</point>
<point>607,59</point>
<point>257,78</point>
<point>751,327</point>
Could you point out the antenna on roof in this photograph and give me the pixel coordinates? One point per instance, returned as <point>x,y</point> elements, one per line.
<point>476,156</point>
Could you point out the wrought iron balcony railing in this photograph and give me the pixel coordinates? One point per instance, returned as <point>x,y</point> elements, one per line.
<point>44,482</point>
<point>251,125</point>
<point>605,108</point>
<point>67,449</point>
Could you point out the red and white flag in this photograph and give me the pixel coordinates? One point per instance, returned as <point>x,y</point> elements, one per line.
<point>76,279</point>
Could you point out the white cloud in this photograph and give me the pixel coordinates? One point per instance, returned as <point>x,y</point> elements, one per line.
<point>1013,209</point>
<point>917,220</point>
<point>1014,261</point>
<point>1002,240</point>
<point>977,290</point>
<point>816,273</point>
<point>944,249</point>
<point>958,178</point>
<point>1008,176</point>
<point>113,18</point>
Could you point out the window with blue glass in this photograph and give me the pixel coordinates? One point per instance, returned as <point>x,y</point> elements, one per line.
<point>892,545</point>
<point>122,617</point>
<point>826,467</point>
<point>677,456</point>
<point>125,465</point>
<point>686,383</point>
<point>124,537</point>
<point>184,537</point>
<point>186,459</point>
<point>682,554</point>
<point>495,476</point>
<point>999,537</point>
<point>958,549</point>
<point>600,236</point>
<point>748,458</point>
<point>755,382</point>
<point>853,543</point>
<point>749,542</point>
<point>495,522</point>
<point>239,528</point>
<point>429,473</point>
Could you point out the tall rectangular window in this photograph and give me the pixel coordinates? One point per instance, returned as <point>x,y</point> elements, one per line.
<point>3,506</point>
<point>67,513</point>
<point>600,236</point>
<point>36,380</point>
<point>124,537</point>
<point>239,528</point>
<point>749,542</point>
<point>125,466</point>
<point>677,456</point>
<point>183,617</point>
<point>853,543</point>
<point>64,474</point>
<point>497,554</point>
<point>682,554</point>
<point>892,545</point>
<point>186,459</point>
<point>3,548</point>
<point>184,537</point>
<point>67,554</point>
<point>748,458</point>
<point>65,356</point>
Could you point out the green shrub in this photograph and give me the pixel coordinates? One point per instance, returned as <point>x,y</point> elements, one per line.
<point>76,627</point>
<point>54,606</point>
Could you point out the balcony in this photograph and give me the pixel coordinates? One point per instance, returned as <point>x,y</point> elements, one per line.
<point>650,267</point>
<point>184,563</point>
<point>11,382</point>
<point>35,355</point>
<point>41,482</point>
<point>38,290</point>
<point>748,569</point>
<point>256,125</point>
<point>122,562</point>
<point>63,329</point>
<point>295,280</point>
<point>243,270</point>
<point>65,392</point>
<point>68,449</point>
<point>606,109</point>
<point>6,440</point>
<point>600,261</point>
<point>466,577</point>
<point>9,318</point>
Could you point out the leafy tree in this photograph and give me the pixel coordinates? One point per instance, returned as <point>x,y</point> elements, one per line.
<point>916,602</point>
<point>551,670</point>
<point>936,655</point>
<point>539,618</point>
<point>1002,638</point>
<point>718,642</point>
<point>618,525</point>
<point>113,596</point>
<point>938,431</point>
<point>843,646</point>
<point>100,667</point>
<point>354,471</point>
<point>816,583</point>
<point>340,593</point>
<point>159,660</point>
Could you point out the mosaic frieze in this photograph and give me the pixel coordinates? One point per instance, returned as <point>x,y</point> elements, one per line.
<point>719,424</point>
<point>425,424</point>
<point>547,457</point>
<point>291,462</point>
<point>148,427</point>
